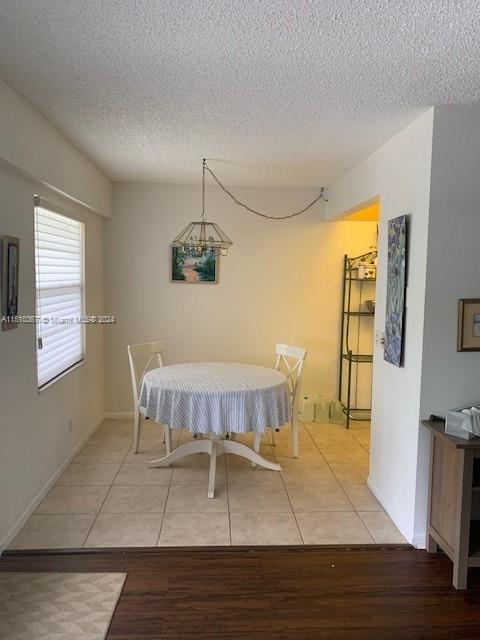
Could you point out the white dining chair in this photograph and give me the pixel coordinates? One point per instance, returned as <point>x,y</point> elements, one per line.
<point>142,358</point>
<point>290,360</point>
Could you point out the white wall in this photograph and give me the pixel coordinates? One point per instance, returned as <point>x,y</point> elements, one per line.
<point>453,268</point>
<point>280,282</point>
<point>31,144</point>
<point>450,379</point>
<point>398,172</point>
<point>34,440</point>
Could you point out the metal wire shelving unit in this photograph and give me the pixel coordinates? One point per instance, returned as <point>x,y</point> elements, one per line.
<point>353,317</point>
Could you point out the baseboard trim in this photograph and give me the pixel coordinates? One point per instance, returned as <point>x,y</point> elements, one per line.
<point>15,528</point>
<point>118,415</point>
<point>388,509</point>
<point>420,540</point>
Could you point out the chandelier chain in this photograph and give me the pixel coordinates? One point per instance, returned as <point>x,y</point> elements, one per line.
<point>321,196</point>
<point>204,164</point>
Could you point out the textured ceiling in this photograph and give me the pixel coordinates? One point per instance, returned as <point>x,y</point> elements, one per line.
<point>279,92</point>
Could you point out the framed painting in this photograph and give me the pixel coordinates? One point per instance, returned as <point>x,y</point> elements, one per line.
<point>396,287</point>
<point>468,330</point>
<point>190,268</point>
<point>10,266</point>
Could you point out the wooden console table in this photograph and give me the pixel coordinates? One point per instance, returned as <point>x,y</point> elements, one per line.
<point>454,481</point>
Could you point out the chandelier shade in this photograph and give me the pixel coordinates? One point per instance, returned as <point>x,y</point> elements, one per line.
<point>201,237</point>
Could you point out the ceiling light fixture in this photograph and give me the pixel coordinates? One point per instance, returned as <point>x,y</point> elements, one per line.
<point>200,238</point>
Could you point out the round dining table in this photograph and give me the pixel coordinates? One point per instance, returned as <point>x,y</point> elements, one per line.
<point>220,399</point>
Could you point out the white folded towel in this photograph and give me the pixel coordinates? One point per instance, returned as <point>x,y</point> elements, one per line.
<point>472,420</point>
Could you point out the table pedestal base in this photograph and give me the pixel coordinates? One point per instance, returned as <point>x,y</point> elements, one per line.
<point>214,447</point>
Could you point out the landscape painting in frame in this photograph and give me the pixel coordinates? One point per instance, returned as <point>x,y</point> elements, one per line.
<point>396,283</point>
<point>190,268</point>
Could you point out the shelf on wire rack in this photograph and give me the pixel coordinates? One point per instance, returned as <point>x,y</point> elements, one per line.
<point>359,313</point>
<point>355,357</point>
<point>362,279</point>
<point>360,415</point>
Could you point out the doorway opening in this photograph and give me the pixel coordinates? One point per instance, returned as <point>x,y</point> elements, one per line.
<point>357,316</point>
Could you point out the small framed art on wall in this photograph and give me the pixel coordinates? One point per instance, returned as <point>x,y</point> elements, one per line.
<point>468,330</point>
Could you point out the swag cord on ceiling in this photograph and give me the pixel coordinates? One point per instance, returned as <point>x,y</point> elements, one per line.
<point>202,238</point>
<point>321,196</point>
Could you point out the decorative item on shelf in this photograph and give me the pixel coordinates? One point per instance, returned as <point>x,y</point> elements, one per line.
<point>468,329</point>
<point>366,265</point>
<point>396,286</point>
<point>9,288</point>
<point>367,272</point>
<point>370,306</point>
<point>336,414</point>
<point>321,409</point>
<point>202,237</point>
<point>307,410</point>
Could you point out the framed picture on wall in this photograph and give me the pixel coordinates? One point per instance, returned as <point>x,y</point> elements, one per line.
<point>468,330</point>
<point>396,286</point>
<point>190,268</point>
<point>10,266</point>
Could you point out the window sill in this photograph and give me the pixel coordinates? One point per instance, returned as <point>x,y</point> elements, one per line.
<point>47,385</point>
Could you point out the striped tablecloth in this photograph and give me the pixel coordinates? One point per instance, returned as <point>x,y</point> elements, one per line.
<point>216,397</point>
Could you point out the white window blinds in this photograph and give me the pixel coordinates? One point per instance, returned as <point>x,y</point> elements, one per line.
<point>59,253</point>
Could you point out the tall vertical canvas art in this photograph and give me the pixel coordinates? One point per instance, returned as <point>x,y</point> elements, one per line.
<point>396,283</point>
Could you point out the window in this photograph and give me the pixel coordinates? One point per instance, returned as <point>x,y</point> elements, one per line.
<point>59,255</point>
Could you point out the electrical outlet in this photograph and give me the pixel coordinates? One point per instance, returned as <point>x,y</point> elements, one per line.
<point>380,339</point>
<point>70,426</point>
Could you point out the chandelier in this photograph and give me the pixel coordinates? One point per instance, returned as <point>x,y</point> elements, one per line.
<point>201,238</point>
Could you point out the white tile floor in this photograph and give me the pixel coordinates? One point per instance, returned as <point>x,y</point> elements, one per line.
<point>108,496</point>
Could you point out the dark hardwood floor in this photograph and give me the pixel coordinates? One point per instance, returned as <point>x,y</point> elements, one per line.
<point>279,593</point>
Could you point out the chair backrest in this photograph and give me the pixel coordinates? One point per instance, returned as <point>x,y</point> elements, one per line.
<point>291,359</point>
<point>141,358</point>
